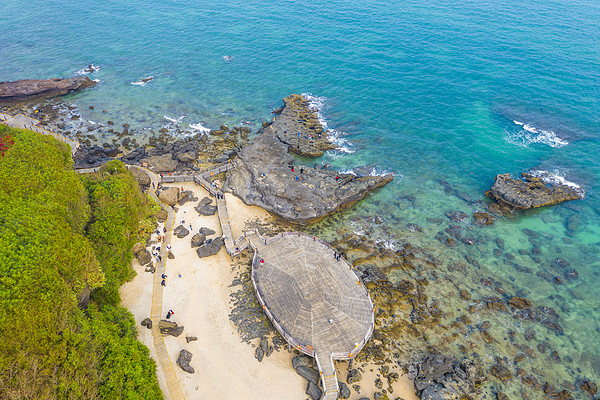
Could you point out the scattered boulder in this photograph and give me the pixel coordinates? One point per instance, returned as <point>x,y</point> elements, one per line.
<point>162,215</point>
<point>209,248</point>
<point>531,192</point>
<point>344,391</point>
<point>483,218</point>
<point>181,231</point>
<point>439,378</point>
<point>150,268</point>
<point>169,328</point>
<point>204,207</point>
<point>302,360</point>
<point>520,302</point>
<point>185,196</point>
<point>184,359</point>
<point>589,387</point>
<point>353,376</point>
<point>501,372</point>
<point>259,354</point>
<point>187,157</point>
<point>144,257</point>
<point>198,240</point>
<point>190,338</point>
<point>170,255</point>
<point>169,196</point>
<point>313,391</point>
<point>206,231</point>
<point>147,322</point>
<point>161,163</point>
<point>310,374</point>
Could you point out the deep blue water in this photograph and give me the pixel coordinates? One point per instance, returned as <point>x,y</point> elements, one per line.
<point>431,90</point>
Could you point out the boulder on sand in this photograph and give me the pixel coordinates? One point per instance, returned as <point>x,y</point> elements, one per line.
<point>198,239</point>
<point>209,248</point>
<point>144,257</point>
<point>169,196</point>
<point>181,231</point>
<point>184,361</point>
<point>169,328</point>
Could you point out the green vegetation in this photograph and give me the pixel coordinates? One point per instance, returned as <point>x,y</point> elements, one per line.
<point>62,234</point>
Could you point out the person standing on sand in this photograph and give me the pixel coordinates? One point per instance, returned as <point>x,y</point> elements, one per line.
<point>169,313</point>
<point>163,283</point>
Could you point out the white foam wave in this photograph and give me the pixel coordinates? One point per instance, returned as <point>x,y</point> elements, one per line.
<point>200,128</point>
<point>316,103</point>
<point>343,146</point>
<point>175,120</point>
<point>557,178</point>
<point>530,134</point>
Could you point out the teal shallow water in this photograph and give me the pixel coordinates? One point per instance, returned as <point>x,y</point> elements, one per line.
<point>430,90</point>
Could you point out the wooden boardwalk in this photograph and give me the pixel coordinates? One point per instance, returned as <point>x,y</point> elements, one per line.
<point>316,302</point>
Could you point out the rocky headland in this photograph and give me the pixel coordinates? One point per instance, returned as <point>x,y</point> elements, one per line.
<point>267,174</point>
<point>39,89</point>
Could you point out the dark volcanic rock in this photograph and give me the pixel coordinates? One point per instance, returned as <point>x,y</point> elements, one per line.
<point>181,231</point>
<point>144,257</point>
<point>29,89</point>
<point>204,207</point>
<point>263,177</point>
<point>441,378</point>
<point>313,391</point>
<point>209,248</point>
<point>206,231</point>
<point>184,361</point>
<point>169,328</point>
<point>531,192</point>
<point>147,322</point>
<point>185,196</point>
<point>310,374</point>
<point>353,376</point>
<point>483,218</point>
<point>198,240</point>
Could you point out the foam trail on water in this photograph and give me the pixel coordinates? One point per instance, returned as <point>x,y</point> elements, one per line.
<point>530,134</point>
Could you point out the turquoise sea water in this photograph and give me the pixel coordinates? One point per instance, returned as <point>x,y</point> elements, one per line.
<point>431,90</point>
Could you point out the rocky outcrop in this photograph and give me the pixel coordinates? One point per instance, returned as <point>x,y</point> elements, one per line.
<point>298,127</point>
<point>185,196</point>
<point>264,177</point>
<point>162,163</point>
<point>35,89</point>
<point>141,177</point>
<point>209,248</point>
<point>439,378</point>
<point>531,192</point>
<point>169,196</point>
<point>94,156</point>
<point>147,322</point>
<point>206,231</point>
<point>144,257</point>
<point>184,359</point>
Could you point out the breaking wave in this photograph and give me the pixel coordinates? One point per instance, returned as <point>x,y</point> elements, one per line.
<point>529,134</point>
<point>556,178</point>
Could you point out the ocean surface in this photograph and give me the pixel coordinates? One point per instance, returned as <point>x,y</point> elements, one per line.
<point>443,94</point>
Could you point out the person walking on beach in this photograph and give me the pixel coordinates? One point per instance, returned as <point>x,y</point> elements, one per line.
<point>164,276</point>
<point>163,283</point>
<point>169,313</point>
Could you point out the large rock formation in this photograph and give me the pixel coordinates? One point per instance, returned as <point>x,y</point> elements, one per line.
<point>161,163</point>
<point>184,361</point>
<point>33,89</point>
<point>441,378</point>
<point>264,175</point>
<point>532,192</point>
<point>169,196</point>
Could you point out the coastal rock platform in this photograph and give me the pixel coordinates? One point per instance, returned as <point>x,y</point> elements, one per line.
<point>266,176</point>
<point>34,89</point>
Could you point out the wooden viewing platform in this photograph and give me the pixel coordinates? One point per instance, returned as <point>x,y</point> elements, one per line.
<point>317,303</point>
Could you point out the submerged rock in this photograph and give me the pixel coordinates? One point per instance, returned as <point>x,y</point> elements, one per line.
<point>531,192</point>
<point>440,378</point>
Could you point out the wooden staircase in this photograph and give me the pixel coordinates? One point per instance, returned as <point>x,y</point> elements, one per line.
<point>331,387</point>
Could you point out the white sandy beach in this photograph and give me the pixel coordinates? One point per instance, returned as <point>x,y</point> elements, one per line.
<point>198,291</point>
